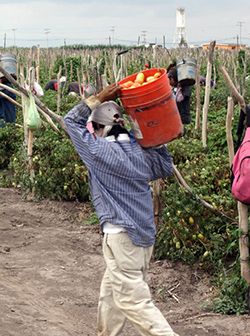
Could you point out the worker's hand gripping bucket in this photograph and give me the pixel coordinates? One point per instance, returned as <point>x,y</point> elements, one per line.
<point>153,109</point>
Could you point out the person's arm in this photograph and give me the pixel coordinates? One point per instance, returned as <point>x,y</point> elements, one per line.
<point>76,122</point>
<point>159,161</point>
<point>77,117</point>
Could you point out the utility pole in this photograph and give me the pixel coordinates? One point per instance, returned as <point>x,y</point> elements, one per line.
<point>14,36</point>
<point>47,32</point>
<point>240,24</point>
<point>113,33</point>
<point>144,34</point>
<point>138,41</point>
<point>4,41</point>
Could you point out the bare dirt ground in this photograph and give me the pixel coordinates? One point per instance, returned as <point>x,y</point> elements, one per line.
<point>51,267</point>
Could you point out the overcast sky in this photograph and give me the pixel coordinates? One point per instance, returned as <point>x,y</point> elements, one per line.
<point>92,22</point>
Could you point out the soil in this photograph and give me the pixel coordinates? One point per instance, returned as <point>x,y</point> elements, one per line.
<point>51,267</point>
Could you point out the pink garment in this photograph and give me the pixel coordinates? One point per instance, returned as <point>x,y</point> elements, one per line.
<point>241,171</point>
<point>179,95</point>
<point>90,127</point>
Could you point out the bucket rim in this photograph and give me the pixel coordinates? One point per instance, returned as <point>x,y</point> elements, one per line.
<point>186,61</point>
<point>130,93</point>
<point>163,70</point>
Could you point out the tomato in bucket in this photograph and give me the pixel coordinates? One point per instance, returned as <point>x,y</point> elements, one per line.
<point>150,104</point>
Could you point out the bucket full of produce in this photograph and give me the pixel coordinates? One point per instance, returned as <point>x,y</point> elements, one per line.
<point>148,100</point>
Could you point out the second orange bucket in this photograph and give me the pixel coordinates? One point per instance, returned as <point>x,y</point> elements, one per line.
<point>152,109</point>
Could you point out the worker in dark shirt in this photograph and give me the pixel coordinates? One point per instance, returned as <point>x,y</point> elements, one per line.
<point>74,89</point>
<point>203,82</point>
<point>7,108</point>
<point>86,89</point>
<point>53,84</point>
<point>182,96</point>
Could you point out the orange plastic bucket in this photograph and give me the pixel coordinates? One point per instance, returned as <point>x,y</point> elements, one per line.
<point>153,110</point>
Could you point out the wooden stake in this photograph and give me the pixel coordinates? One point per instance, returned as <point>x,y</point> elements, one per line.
<point>79,83</point>
<point>59,90</point>
<point>198,99</point>
<point>244,242</point>
<point>30,161</point>
<point>10,89</point>
<point>71,71</point>
<point>234,92</point>
<point>207,93</point>
<point>230,145</point>
<point>10,99</point>
<point>38,65</point>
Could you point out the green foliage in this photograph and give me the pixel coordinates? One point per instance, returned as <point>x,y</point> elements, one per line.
<point>58,171</point>
<point>233,293</point>
<point>92,220</point>
<point>67,101</point>
<point>192,233</point>
<point>71,63</point>
<point>241,58</point>
<point>10,140</point>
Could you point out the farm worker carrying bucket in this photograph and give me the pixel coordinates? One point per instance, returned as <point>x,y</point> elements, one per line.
<point>119,174</point>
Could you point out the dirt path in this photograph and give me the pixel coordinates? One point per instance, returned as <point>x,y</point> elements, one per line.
<point>51,267</point>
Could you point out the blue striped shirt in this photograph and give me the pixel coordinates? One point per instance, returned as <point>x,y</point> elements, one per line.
<point>119,175</point>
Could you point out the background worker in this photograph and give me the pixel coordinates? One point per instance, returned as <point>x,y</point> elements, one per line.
<point>86,89</point>
<point>202,80</point>
<point>53,84</point>
<point>7,108</point>
<point>119,174</point>
<point>182,95</point>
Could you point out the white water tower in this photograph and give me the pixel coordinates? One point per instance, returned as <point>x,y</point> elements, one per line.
<point>180,32</point>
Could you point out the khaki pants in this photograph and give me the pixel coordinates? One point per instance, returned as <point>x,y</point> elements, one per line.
<point>124,293</point>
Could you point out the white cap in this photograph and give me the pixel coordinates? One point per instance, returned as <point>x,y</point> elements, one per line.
<point>105,113</point>
<point>62,79</point>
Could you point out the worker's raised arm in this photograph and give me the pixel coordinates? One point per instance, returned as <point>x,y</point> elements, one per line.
<point>76,123</point>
